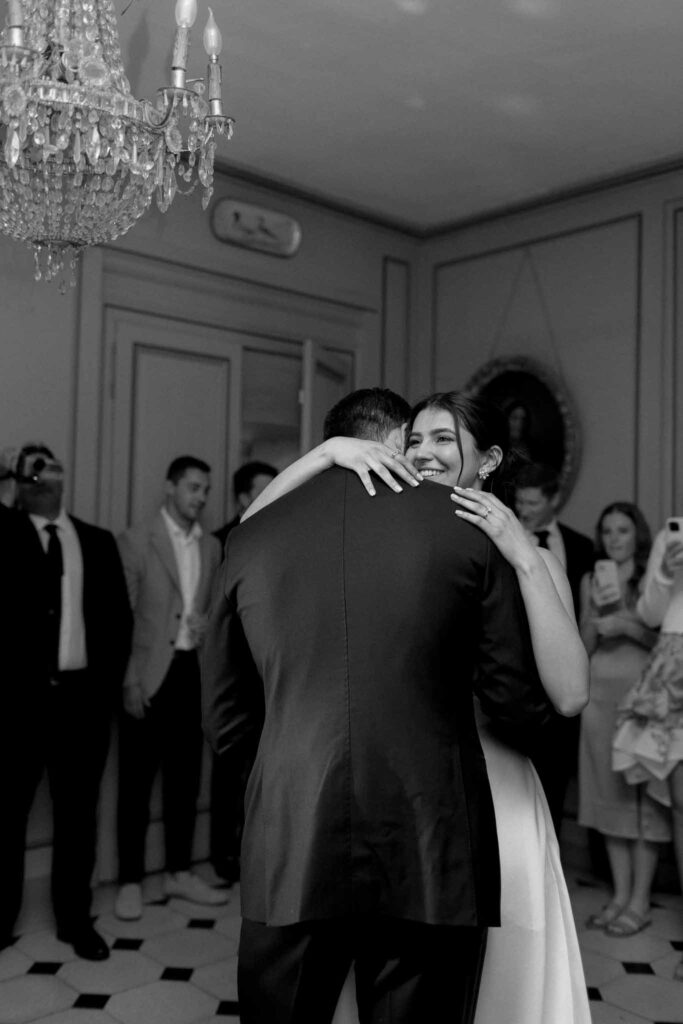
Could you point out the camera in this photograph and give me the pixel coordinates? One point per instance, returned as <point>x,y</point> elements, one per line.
<point>38,468</point>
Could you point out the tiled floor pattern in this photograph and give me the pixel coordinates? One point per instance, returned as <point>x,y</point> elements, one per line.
<point>630,980</point>
<point>178,966</point>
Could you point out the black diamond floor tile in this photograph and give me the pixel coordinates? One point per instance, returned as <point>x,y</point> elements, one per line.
<point>91,1001</point>
<point>133,944</point>
<point>161,902</point>
<point>44,967</point>
<point>201,922</point>
<point>594,995</point>
<point>177,974</point>
<point>228,1008</point>
<point>631,967</point>
<point>677,945</point>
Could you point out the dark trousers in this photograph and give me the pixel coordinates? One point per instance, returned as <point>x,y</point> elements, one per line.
<point>64,729</point>
<point>169,738</point>
<point>406,973</point>
<point>229,774</point>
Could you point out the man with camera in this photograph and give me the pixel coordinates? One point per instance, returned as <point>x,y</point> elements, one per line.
<point>66,626</point>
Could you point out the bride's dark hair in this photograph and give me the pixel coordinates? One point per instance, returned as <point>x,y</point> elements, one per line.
<point>488,426</point>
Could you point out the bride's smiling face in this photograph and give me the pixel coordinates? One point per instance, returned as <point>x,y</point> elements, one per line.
<point>432,447</point>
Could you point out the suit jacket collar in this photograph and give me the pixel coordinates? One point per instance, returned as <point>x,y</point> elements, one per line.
<point>161,542</point>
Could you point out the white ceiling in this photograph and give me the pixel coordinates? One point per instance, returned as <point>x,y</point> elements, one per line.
<point>428,112</point>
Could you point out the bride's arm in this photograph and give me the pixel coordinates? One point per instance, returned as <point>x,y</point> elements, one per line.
<point>363,457</point>
<point>560,655</point>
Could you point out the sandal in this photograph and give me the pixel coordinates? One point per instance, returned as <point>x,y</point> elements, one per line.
<point>628,923</point>
<point>610,912</point>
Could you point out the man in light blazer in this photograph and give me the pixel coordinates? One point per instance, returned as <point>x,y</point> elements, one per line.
<point>169,565</point>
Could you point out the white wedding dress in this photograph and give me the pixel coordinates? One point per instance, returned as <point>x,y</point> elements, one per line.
<point>532,970</point>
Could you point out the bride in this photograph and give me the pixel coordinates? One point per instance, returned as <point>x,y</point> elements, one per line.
<point>532,971</point>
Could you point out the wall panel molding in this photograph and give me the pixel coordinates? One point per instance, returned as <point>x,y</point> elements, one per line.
<point>113,280</point>
<point>396,324</point>
<point>488,301</point>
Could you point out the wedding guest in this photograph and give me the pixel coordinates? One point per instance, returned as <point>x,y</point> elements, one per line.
<point>536,503</point>
<point>169,564</point>
<point>247,483</point>
<point>618,643</point>
<point>66,623</point>
<point>648,746</point>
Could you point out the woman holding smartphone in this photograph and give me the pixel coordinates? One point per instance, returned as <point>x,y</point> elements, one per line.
<point>648,746</point>
<point>618,644</point>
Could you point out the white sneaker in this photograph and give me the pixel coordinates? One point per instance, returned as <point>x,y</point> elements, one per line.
<point>128,906</point>
<point>193,888</point>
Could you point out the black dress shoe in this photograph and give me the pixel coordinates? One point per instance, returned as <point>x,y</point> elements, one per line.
<point>87,944</point>
<point>228,870</point>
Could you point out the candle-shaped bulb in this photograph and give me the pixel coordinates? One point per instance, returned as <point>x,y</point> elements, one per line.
<point>213,40</point>
<point>185,13</point>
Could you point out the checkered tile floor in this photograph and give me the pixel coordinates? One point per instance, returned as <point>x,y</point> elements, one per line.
<point>178,964</point>
<point>630,980</point>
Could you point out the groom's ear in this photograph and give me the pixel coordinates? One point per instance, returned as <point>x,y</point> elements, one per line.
<point>396,438</point>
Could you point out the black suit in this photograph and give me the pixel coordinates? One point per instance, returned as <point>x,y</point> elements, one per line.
<point>555,753</point>
<point>364,622</point>
<point>580,555</point>
<point>62,725</point>
<point>229,774</point>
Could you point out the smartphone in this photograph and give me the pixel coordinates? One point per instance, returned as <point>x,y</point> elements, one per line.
<point>607,575</point>
<point>674,527</point>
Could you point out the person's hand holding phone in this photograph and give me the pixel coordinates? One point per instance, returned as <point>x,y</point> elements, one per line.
<point>672,560</point>
<point>605,588</point>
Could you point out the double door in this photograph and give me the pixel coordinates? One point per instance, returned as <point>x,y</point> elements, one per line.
<point>228,397</point>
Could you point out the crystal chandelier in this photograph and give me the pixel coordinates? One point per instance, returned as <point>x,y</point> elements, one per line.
<point>80,157</point>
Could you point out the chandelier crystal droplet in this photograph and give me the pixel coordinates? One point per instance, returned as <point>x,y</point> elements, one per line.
<point>80,157</point>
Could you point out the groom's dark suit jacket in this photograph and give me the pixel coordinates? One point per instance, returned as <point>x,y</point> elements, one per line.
<point>364,625</point>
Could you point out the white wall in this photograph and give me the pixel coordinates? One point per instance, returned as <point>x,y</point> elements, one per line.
<point>589,288</point>
<point>53,377</point>
<point>342,259</point>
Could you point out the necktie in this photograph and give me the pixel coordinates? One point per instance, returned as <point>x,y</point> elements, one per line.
<point>55,571</point>
<point>543,538</point>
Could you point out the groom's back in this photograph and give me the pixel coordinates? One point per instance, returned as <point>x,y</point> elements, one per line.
<point>365,618</point>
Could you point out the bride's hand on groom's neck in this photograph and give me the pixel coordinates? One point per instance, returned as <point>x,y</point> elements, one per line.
<point>368,458</point>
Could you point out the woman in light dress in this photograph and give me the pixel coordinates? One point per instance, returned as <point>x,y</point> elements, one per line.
<point>532,970</point>
<point>618,643</point>
<point>648,744</point>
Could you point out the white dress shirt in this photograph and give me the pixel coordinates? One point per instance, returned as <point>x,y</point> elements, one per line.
<point>72,650</point>
<point>188,560</point>
<point>555,542</point>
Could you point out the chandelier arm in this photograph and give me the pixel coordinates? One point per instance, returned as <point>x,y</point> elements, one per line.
<point>158,120</point>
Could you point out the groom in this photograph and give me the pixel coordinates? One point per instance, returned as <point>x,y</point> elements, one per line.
<point>351,633</point>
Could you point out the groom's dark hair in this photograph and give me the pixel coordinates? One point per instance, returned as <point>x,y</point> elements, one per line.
<point>369,413</point>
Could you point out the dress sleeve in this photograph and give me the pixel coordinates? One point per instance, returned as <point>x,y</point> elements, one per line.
<point>654,600</point>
